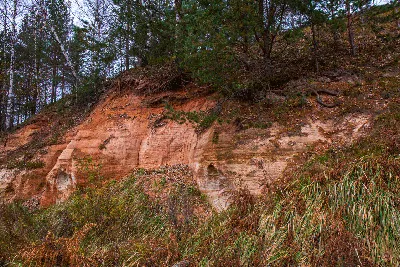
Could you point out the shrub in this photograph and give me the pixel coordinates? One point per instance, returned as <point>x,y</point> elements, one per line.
<point>202,119</point>
<point>25,164</point>
<point>90,169</point>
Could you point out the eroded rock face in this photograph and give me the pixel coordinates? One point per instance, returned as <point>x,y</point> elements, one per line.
<point>255,157</point>
<point>122,134</point>
<point>6,178</point>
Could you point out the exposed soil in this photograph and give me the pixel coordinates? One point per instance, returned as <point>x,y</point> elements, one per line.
<point>126,131</point>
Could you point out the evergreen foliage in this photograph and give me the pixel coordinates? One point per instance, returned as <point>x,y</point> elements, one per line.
<point>234,46</point>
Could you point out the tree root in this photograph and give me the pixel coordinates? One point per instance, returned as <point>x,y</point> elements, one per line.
<point>328,92</point>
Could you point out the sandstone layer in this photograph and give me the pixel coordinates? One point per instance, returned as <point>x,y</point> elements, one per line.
<point>124,132</point>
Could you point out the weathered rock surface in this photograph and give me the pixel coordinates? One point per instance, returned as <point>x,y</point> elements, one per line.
<point>122,134</point>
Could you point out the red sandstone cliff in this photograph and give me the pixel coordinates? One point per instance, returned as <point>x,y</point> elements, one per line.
<point>124,131</point>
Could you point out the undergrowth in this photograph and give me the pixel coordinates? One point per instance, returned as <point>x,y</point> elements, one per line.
<point>202,119</point>
<point>346,218</point>
<point>25,164</point>
<point>338,208</point>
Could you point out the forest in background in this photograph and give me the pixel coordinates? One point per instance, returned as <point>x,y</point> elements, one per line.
<point>238,46</point>
<point>338,205</point>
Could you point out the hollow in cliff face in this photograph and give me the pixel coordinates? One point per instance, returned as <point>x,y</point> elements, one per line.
<point>127,131</point>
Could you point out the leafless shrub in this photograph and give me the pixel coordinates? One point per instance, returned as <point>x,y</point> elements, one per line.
<point>150,79</point>
<point>59,251</point>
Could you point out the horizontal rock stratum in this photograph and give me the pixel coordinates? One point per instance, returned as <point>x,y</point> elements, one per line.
<point>126,131</point>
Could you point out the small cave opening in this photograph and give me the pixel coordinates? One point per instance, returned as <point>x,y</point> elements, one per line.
<point>212,171</point>
<point>63,180</point>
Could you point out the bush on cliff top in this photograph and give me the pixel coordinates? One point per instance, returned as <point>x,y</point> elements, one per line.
<point>340,208</point>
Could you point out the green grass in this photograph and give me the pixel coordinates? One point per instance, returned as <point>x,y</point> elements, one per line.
<point>344,218</point>
<point>339,208</point>
<point>202,119</point>
<point>25,164</point>
<point>120,217</point>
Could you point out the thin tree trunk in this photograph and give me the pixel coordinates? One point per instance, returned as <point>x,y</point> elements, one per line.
<point>315,48</point>
<point>63,83</point>
<point>54,80</point>
<point>350,28</point>
<point>178,18</point>
<point>127,49</point>
<point>36,71</point>
<point>4,99</point>
<point>11,113</point>
<point>265,47</point>
<point>10,95</point>
<point>45,94</point>
<point>335,30</point>
<point>64,52</point>
<point>127,34</point>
